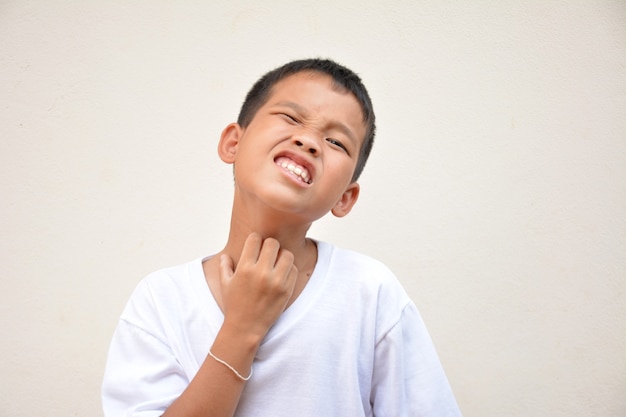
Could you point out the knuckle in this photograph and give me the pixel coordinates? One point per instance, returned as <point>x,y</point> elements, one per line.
<point>245,268</point>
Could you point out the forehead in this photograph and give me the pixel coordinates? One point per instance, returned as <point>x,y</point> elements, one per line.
<point>318,92</point>
<point>308,79</point>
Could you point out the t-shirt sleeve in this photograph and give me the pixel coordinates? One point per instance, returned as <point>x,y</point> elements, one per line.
<point>142,377</point>
<point>408,379</point>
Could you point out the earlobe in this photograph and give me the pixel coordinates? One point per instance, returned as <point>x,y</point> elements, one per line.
<point>229,141</point>
<point>347,200</point>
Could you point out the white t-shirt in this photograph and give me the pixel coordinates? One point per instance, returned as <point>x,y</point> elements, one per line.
<point>352,344</point>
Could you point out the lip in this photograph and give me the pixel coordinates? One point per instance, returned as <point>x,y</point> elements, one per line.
<point>299,160</point>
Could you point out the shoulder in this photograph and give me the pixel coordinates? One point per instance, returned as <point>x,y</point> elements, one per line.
<point>359,276</point>
<point>167,289</point>
<point>341,258</point>
<point>364,268</point>
<point>168,281</point>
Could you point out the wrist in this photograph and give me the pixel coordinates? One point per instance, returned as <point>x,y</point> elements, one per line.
<point>229,366</point>
<point>246,338</point>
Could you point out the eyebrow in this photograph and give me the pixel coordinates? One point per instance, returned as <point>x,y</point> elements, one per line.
<point>334,125</point>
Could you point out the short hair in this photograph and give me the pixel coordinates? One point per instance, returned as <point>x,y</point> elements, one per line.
<point>342,77</point>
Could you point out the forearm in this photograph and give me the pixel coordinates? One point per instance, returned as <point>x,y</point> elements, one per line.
<point>252,298</point>
<point>216,389</point>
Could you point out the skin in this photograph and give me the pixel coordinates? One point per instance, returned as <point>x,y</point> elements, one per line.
<point>268,259</point>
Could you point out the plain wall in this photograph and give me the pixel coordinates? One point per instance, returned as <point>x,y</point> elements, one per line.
<point>496,190</point>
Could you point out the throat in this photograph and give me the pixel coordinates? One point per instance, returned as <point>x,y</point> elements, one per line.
<point>304,274</point>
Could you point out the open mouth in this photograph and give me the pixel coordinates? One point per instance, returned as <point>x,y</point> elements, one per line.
<point>298,171</point>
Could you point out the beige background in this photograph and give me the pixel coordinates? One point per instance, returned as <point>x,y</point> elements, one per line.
<point>496,190</point>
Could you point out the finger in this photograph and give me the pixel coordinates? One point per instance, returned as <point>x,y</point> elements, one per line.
<point>269,253</point>
<point>251,248</point>
<point>287,271</point>
<point>285,262</point>
<point>290,284</point>
<point>226,268</point>
<point>292,277</point>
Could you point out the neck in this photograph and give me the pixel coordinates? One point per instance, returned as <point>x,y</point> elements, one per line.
<point>291,236</point>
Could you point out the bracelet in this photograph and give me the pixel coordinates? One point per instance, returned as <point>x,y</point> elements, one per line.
<point>243,378</point>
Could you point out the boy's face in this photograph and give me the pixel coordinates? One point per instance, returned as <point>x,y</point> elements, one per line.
<point>300,150</point>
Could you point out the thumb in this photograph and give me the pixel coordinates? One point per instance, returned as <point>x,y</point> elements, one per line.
<point>226,268</point>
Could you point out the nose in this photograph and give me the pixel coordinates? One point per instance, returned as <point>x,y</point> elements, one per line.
<point>307,144</point>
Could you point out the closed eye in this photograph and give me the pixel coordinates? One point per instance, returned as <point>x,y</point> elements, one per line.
<point>289,118</point>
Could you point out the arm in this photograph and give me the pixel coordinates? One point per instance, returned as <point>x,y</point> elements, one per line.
<point>254,295</point>
<point>144,377</point>
<point>409,379</point>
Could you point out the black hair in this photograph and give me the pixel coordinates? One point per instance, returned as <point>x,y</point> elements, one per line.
<point>342,77</point>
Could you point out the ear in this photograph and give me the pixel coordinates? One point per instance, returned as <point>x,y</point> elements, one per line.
<point>229,142</point>
<point>347,200</point>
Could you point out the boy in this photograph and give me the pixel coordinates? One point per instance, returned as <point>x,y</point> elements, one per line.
<point>277,324</point>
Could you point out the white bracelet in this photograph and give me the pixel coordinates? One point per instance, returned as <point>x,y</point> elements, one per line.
<point>243,378</point>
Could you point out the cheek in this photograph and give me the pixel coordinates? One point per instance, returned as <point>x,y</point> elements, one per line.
<point>343,164</point>
<point>342,173</point>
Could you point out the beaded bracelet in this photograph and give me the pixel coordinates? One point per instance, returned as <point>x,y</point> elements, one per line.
<point>243,378</point>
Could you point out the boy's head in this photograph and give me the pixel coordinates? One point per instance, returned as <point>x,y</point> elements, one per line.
<point>343,78</point>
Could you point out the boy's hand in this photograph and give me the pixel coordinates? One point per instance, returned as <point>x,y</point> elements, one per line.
<point>256,293</point>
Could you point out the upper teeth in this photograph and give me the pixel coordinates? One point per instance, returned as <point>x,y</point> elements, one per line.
<point>301,172</point>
